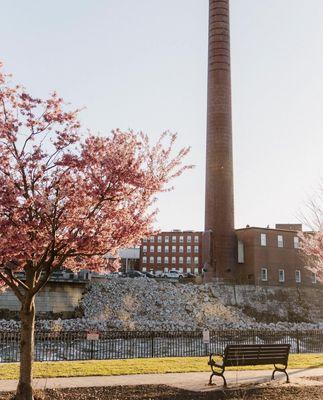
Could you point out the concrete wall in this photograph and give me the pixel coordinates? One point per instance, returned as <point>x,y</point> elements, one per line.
<point>56,297</point>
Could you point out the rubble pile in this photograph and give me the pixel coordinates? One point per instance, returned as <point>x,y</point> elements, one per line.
<point>148,305</point>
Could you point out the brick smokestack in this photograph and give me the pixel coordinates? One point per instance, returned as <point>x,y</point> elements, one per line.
<point>219,205</point>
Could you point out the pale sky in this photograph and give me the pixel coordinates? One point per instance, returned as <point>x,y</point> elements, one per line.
<point>142,64</point>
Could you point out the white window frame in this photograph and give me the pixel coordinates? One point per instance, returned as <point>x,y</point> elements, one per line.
<point>196,260</point>
<point>181,249</point>
<point>196,270</point>
<point>158,249</point>
<point>144,260</point>
<point>196,249</point>
<point>196,239</point>
<point>181,239</point>
<point>189,249</point>
<point>296,242</point>
<point>281,278</point>
<point>188,260</point>
<point>166,260</point>
<point>173,260</point>
<point>159,239</point>
<point>180,270</point>
<point>263,239</point>
<point>152,239</point>
<point>264,274</point>
<point>280,241</point>
<point>298,276</point>
<point>166,239</point>
<point>165,269</point>
<point>189,239</point>
<point>159,260</point>
<point>188,270</point>
<point>151,260</point>
<point>144,269</point>
<point>313,278</point>
<point>181,260</point>
<point>144,240</point>
<point>144,249</point>
<point>173,239</point>
<point>173,249</point>
<point>166,249</point>
<point>152,249</point>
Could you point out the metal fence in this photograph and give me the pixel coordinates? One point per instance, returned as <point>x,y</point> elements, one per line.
<point>69,346</point>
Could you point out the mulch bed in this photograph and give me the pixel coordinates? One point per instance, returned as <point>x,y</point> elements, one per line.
<point>168,393</point>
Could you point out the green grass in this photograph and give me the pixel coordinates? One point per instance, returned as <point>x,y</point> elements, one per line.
<point>140,366</point>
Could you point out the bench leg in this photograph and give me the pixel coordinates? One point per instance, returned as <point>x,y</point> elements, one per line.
<point>280,370</point>
<point>218,374</point>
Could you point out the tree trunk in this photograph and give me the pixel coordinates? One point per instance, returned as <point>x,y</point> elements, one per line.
<point>27,316</point>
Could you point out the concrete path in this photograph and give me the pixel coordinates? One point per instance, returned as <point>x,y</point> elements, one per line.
<point>194,381</point>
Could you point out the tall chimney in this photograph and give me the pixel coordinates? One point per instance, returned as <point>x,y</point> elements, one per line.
<point>219,204</point>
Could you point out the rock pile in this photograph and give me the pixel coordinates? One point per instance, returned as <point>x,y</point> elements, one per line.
<point>145,304</point>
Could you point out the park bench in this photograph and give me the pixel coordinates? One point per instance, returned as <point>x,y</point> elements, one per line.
<point>249,354</point>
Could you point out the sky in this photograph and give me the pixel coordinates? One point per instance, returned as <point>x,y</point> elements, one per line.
<point>143,65</point>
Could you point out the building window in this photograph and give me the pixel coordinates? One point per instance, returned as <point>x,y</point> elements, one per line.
<point>151,260</point>
<point>166,249</point>
<point>189,239</point>
<point>152,238</point>
<point>189,249</point>
<point>173,260</point>
<point>298,277</point>
<point>152,249</point>
<point>280,241</point>
<point>159,239</point>
<point>144,240</point>
<point>188,270</point>
<point>181,249</point>
<point>296,242</point>
<point>196,239</point>
<point>181,239</point>
<point>144,249</point>
<point>196,249</point>
<point>313,276</point>
<point>180,270</point>
<point>263,239</point>
<point>196,260</point>
<point>181,260</point>
<point>166,260</point>
<point>166,239</point>
<point>158,260</point>
<point>281,275</point>
<point>158,249</point>
<point>188,260</point>
<point>264,274</point>
<point>144,260</point>
<point>165,269</point>
<point>174,239</point>
<point>144,269</point>
<point>196,271</point>
<point>173,249</point>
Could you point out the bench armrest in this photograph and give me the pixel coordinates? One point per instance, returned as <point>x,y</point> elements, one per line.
<point>211,361</point>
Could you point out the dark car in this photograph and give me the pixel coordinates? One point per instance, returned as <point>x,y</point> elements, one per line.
<point>133,274</point>
<point>148,274</point>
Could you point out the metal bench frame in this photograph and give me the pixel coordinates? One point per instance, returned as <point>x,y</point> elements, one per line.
<point>218,369</point>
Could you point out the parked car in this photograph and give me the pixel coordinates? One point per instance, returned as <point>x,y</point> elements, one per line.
<point>159,274</point>
<point>148,274</point>
<point>190,275</point>
<point>134,274</point>
<point>173,274</point>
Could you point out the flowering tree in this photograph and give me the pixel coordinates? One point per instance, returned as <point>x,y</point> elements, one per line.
<point>67,201</point>
<point>312,242</point>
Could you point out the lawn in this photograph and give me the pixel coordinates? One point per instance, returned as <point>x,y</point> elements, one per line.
<point>139,366</point>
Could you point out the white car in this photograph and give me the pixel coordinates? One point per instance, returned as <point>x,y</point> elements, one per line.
<point>174,274</point>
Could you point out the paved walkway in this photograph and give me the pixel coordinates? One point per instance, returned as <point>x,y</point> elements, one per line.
<point>194,381</point>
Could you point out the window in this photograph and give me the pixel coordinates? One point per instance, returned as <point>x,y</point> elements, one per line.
<point>152,249</point>
<point>144,249</point>
<point>188,260</point>
<point>144,240</point>
<point>180,270</point>
<point>158,260</point>
<point>298,277</point>
<point>189,249</point>
<point>165,269</point>
<point>166,260</point>
<point>152,238</point>
<point>181,249</point>
<point>151,260</point>
<point>181,260</point>
<point>159,239</point>
<point>166,249</point>
<point>263,239</point>
<point>158,249</point>
<point>196,271</point>
<point>173,249</point>
<point>166,239</point>
<point>189,239</point>
<point>313,276</point>
<point>281,275</point>
<point>188,270</point>
<point>173,260</point>
<point>264,274</point>
<point>280,241</point>
<point>174,239</point>
<point>196,249</point>
<point>144,269</point>
<point>296,242</point>
<point>144,260</point>
<point>196,260</point>
<point>181,239</point>
<point>196,239</point>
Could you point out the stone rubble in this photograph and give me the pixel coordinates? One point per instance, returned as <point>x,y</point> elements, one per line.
<point>150,305</point>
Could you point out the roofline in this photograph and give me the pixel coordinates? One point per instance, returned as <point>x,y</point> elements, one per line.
<point>267,229</point>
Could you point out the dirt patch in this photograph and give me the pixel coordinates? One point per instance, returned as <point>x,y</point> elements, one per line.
<point>168,393</point>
